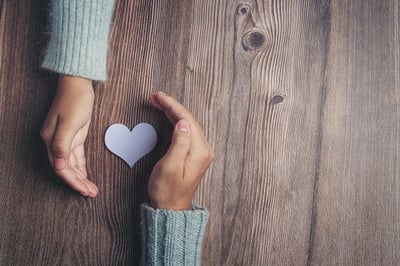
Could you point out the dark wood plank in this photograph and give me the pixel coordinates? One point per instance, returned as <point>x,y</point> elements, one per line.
<point>43,222</point>
<point>39,212</point>
<point>357,214</point>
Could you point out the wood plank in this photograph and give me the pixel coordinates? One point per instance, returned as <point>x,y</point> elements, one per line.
<point>357,207</point>
<point>45,214</point>
<point>258,192</point>
<point>43,222</point>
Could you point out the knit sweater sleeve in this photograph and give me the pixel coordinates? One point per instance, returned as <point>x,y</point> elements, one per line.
<point>172,237</point>
<point>78,38</point>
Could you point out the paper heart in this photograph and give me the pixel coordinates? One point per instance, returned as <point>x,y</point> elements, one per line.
<point>130,145</point>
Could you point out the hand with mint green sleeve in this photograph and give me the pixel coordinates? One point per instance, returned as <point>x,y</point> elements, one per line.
<point>77,50</point>
<point>172,227</point>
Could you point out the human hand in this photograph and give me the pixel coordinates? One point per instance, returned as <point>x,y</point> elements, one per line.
<point>65,129</point>
<point>175,178</point>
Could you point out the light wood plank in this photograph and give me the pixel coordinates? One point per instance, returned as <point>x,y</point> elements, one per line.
<point>357,210</point>
<point>258,192</point>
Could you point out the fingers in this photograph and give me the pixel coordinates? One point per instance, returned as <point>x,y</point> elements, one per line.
<point>181,142</point>
<point>69,165</point>
<point>173,109</point>
<point>58,134</point>
<point>62,142</point>
<point>82,185</point>
<point>75,174</point>
<point>78,161</point>
<point>74,171</point>
<point>200,153</point>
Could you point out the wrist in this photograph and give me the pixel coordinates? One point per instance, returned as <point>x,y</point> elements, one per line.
<point>75,85</point>
<point>174,206</point>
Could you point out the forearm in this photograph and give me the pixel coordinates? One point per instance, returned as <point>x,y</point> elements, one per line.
<point>172,237</point>
<point>79,37</point>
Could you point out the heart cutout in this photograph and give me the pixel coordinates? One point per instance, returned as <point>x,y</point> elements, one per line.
<point>130,145</point>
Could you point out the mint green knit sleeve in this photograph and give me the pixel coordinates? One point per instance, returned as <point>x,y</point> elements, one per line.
<point>78,38</point>
<point>172,237</point>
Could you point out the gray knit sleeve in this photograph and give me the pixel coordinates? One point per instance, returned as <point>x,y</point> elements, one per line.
<point>172,237</point>
<point>78,38</point>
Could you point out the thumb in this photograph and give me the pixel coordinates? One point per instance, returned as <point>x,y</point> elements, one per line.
<point>62,141</point>
<point>181,141</point>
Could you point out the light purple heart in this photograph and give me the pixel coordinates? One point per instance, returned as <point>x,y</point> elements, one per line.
<point>130,145</point>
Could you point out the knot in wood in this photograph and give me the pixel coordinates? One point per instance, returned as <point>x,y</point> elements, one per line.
<point>243,9</point>
<point>277,99</point>
<point>253,40</point>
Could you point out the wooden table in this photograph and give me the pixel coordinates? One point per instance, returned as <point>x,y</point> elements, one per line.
<point>299,99</point>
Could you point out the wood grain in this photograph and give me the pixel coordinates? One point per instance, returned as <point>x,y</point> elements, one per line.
<point>300,100</point>
<point>357,204</point>
<point>261,197</point>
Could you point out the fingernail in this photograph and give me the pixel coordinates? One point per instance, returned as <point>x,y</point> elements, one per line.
<point>183,126</point>
<point>162,93</point>
<point>59,163</point>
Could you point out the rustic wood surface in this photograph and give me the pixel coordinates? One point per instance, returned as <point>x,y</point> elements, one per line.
<point>300,100</point>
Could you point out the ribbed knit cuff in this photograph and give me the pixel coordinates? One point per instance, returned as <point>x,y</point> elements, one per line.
<point>172,237</point>
<point>78,42</point>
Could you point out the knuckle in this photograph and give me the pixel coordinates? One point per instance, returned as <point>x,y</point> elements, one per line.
<point>58,148</point>
<point>205,155</point>
<point>44,134</point>
<point>208,156</point>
